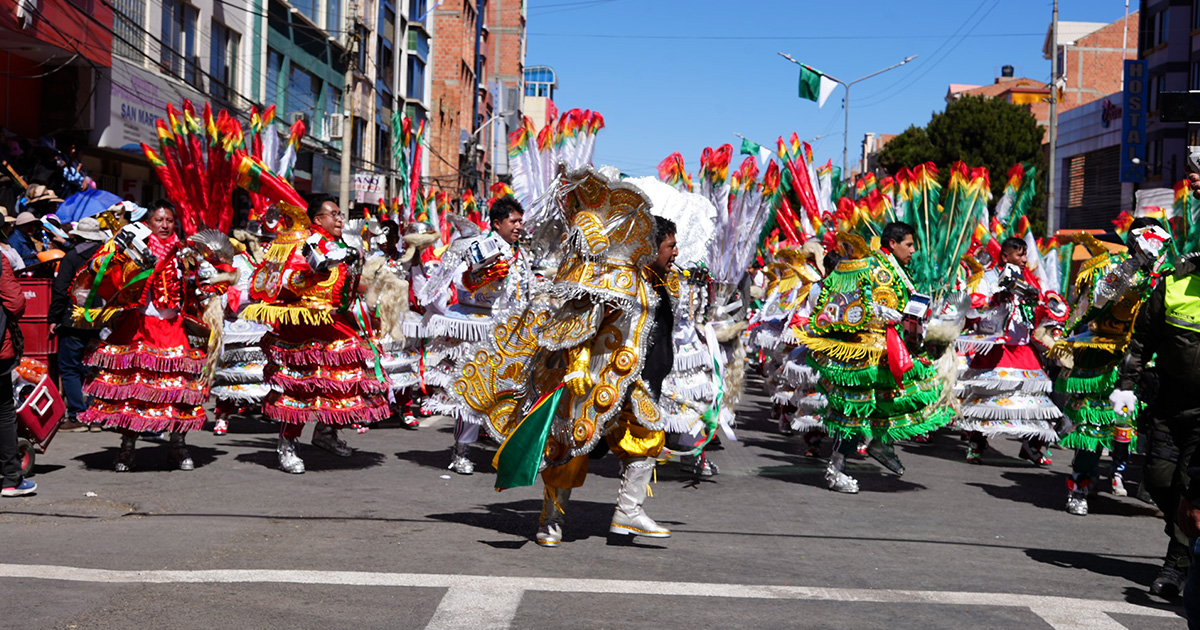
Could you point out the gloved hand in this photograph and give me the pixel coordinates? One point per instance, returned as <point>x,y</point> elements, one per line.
<point>206,273</point>
<point>1124,402</point>
<point>886,314</point>
<point>579,376</point>
<point>347,255</point>
<point>498,270</point>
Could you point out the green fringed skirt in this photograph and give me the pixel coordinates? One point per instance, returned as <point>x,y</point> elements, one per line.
<point>864,399</point>
<point>1089,384</point>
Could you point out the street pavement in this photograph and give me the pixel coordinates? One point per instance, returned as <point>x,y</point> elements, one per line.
<point>389,538</point>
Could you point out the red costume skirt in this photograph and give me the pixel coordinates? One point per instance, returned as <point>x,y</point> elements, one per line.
<point>147,378</point>
<point>322,374</point>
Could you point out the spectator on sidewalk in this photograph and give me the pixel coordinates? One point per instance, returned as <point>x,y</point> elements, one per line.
<point>21,239</point>
<point>13,301</point>
<point>73,342</point>
<point>7,225</point>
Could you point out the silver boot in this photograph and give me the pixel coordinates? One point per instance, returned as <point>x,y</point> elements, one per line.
<point>459,462</point>
<point>1077,494</point>
<point>838,480</point>
<point>554,512</point>
<point>629,517</point>
<point>289,461</point>
<point>179,452</point>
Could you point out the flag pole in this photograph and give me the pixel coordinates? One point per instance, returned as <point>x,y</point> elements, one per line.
<point>846,103</point>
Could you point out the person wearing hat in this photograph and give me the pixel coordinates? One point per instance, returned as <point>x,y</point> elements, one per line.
<point>73,341</point>
<point>28,227</point>
<point>41,198</point>
<point>7,223</point>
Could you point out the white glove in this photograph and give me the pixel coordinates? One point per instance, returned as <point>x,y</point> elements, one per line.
<point>206,273</point>
<point>886,314</point>
<point>1123,401</point>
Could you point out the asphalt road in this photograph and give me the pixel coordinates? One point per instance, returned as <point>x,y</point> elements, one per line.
<point>390,539</point>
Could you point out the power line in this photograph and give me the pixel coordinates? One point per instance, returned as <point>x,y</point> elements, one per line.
<point>771,37</point>
<point>933,63</point>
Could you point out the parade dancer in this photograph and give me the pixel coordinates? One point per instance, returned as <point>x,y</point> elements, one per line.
<point>793,286</point>
<point>322,367</point>
<point>691,394</point>
<point>876,387</point>
<point>238,386</point>
<point>1110,289</point>
<point>487,289</point>
<point>1005,387</point>
<point>559,378</point>
<point>148,377</point>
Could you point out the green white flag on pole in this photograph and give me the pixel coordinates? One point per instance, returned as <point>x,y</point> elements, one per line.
<point>815,86</point>
<point>753,148</point>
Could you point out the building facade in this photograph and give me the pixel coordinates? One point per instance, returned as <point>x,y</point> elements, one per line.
<point>477,92</point>
<point>1090,193</point>
<point>1090,58</point>
<point>1168,42</point>
<point>118,63</point>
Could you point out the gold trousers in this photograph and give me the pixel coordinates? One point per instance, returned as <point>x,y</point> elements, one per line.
<point>626,439</point>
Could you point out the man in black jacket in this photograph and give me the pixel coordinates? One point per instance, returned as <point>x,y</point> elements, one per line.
<point>72,341</point>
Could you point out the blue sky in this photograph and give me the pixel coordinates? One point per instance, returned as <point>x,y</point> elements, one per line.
<point>679,76</point>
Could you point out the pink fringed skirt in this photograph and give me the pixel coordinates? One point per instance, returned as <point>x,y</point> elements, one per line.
<point>322,374</point>
<point>147,378</point>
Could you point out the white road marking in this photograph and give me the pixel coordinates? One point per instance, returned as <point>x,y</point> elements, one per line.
<point>479,602</point>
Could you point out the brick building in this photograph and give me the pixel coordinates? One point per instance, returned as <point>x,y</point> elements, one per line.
<point>477,70</point>
<point>459,87</point>
<point>1089,192</point>
<point>505,57</point>
<point>1091,57</point>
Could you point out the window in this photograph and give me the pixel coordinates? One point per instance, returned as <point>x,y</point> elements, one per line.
<point>385,65</point>
<point>415,113</point>
<point>179,41</point>
<point>418,42</point>
<point>416,10</point>
<point>129,40</point>
<point>307,7</point>
<point>333,16</point>
<point>383,146</point>
<point>333,105</point>
<point>356,144</point>
<point>223,62</point>
<point>415,87</point>
<point>1157,85</point>
<point>303,90</point>
<point>1161,26</point>
<point>362,40</point>
<point>1194,75</point>
<point>272,94</point>
<point>1195,14</point>
<point>1154,158</point>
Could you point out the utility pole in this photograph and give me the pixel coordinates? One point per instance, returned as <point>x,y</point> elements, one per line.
<point>1051,210</point>
<point>347,114</point>
<point>846,127</point>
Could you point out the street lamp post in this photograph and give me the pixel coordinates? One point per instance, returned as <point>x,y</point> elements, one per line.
<point>846,130</point>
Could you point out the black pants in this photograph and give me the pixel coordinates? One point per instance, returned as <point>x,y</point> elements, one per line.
<point>1175,418</point>
<point>1159,481</point>
<point>10,457</point>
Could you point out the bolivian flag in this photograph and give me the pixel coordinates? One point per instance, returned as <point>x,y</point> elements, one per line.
<point>520,456</point>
